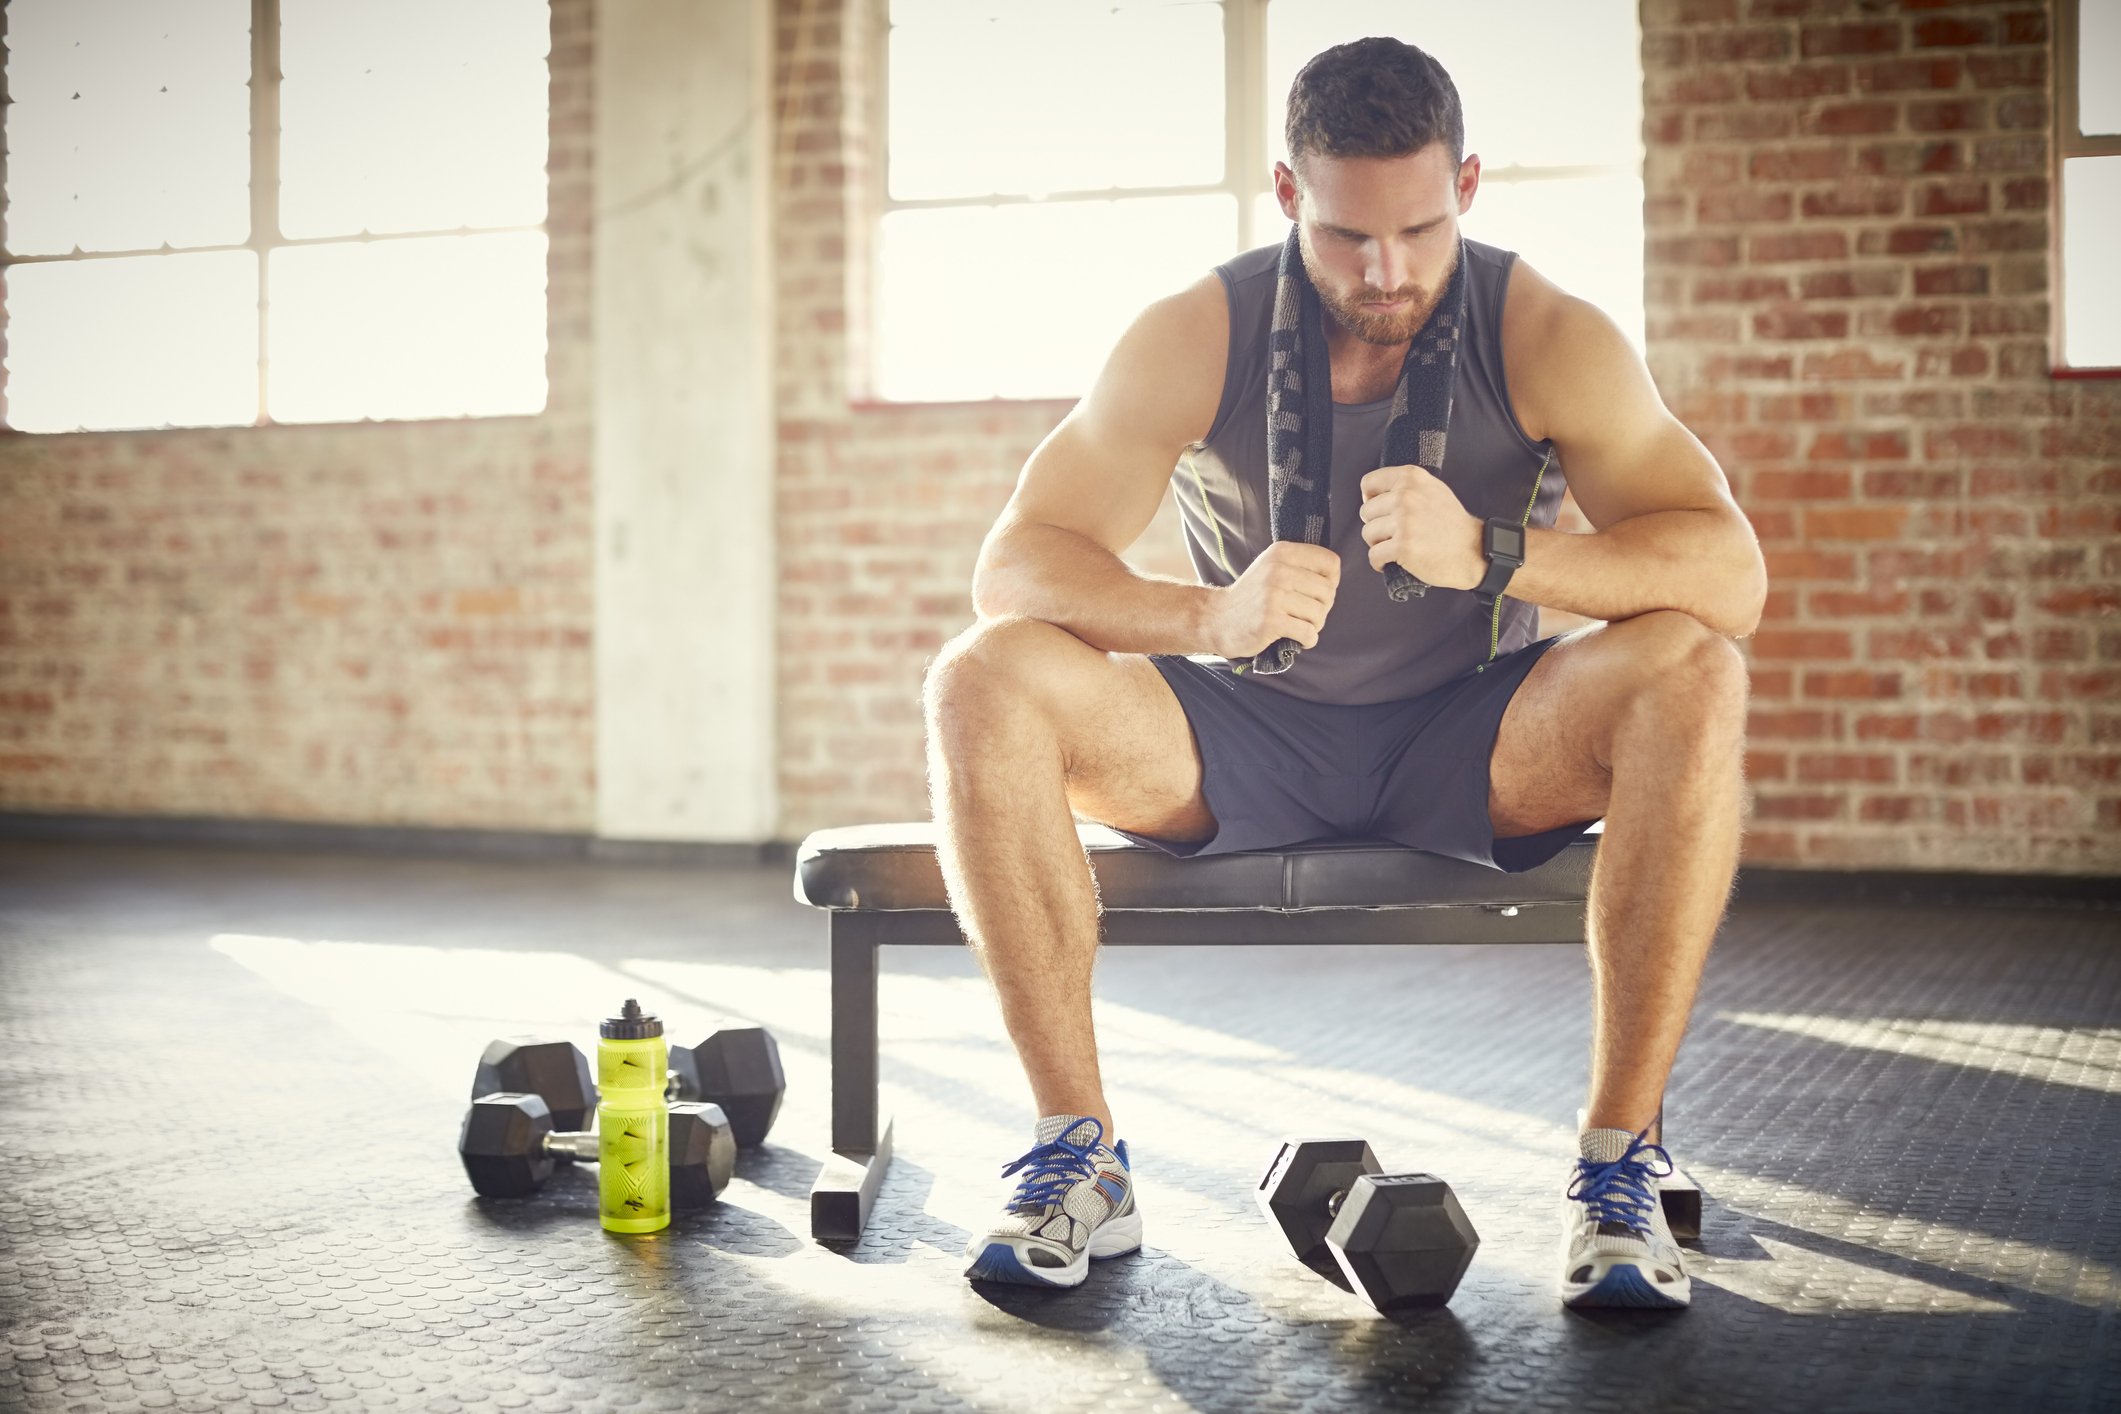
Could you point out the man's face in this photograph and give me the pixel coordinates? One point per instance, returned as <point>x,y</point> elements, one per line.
<point>1379,234</point>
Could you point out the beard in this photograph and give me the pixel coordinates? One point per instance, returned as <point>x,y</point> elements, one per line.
<point>1370,325</point>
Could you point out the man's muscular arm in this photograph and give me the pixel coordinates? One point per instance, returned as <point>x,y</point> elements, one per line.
<point>1094,484</point>
<point>1668,534</point>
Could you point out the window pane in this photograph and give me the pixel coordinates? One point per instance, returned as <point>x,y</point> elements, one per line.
<point>128,124</point>
<point>135,341</point>
<point>1025,301</point>
<point>1032,99</point>
<point>2099,68</point>
<point>404,115</point>
<point>1584,234</point>
<point>1564,90</point>
<point>449,326</point>
<point>2091,274</point>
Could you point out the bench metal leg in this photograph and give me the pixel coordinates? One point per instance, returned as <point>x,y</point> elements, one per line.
<point>846,1187</point>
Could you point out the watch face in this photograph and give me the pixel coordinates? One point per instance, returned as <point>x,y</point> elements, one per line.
<point>1508,541</point>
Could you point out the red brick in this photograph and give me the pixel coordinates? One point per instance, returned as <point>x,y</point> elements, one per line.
<point>1808,564</point>
<point>1742,289</point>
<point>1854,200</point>
<point>1741,207</point>
<point>1811,644</point>
<point>1951,33</point>
<point>1847,364</point>
<point>1800,485</point>
<point>1858,684</point>
<point>1767,765</point>
<point>1852,119</point>
<point>1900,75</point>
<point>1909,240</point>
<point>1960,198</point>
<point>1990,319</point>
<point>1855,523</point>
<point>1972,440</point>
<point>1797,164</point>
<point>1792,724</point>
<point>1804,81</point>
<point>1843,445</point>
<point>2025,27</point>
<point>1819,766</point>
<point>2082,599</point>
<point>1800,323</point>
<point>1864,603</point>
<point>1728,46</point>
<point>2025,69</point>
<point>1818,40</point>
<point>1795,245</point>
<point>1740,124</point>
<point>1960,279</point>
<point>1943,115</point>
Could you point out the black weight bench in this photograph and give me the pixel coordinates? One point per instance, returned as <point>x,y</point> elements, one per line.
<point>881,884</point>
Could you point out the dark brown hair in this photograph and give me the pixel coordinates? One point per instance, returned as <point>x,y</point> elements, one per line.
<point>1374,97</point>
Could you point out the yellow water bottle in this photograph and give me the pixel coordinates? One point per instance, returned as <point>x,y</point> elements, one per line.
<point>633,1123</point>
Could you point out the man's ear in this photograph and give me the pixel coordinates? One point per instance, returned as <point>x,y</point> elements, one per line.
<point>1468,181</point>
<point>1287,191</point>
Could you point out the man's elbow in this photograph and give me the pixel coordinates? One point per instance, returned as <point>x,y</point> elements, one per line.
<point>1749,595</point>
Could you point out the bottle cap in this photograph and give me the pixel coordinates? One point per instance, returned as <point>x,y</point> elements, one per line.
<point>631,1024</point>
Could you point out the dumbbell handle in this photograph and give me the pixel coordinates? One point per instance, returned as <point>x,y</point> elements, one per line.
<point>581,1147</point>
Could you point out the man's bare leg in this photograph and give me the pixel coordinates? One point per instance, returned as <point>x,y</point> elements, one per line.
<point>1643,722</point>
<point>1027,726</point>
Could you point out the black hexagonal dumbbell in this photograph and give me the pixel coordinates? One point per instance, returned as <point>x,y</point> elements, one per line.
<point>509,1148</point>
<point>1397,1240</point>
<point>555,1071</point>
<point>738,1068</point>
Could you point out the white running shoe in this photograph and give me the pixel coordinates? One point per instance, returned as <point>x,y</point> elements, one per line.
<point>1617,1248</point>
<point>1074,1200</point>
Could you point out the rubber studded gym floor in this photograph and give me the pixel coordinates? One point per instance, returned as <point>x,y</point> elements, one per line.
<point>231,1082</point>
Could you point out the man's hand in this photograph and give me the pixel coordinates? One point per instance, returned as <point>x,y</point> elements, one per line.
<point>1412,519</point>
<point>1284,593</point>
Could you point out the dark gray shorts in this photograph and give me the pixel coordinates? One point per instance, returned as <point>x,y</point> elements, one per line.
<point>1280,770</point>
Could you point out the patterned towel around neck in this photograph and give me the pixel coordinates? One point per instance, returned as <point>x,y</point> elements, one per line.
<point>1300,415</point>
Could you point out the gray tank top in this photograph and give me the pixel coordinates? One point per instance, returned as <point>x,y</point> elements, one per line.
<point>1371,648</point>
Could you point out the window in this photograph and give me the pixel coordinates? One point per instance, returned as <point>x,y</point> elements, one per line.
<point>2087,302</point>
<point>230,212</point>
<point>1026,215</point>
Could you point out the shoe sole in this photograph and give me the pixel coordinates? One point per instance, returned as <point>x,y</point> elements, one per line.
<point>999,1261</point>
<point>1624,1285</point>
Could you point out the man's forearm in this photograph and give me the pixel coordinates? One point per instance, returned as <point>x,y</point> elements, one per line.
<point>1044,572</point>
<point>1697,562</point>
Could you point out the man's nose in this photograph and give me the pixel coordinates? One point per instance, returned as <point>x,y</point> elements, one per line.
<point>1387,270</point>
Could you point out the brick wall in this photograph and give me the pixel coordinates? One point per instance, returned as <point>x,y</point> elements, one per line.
<point>1848,300</point>
<point>384,623</point>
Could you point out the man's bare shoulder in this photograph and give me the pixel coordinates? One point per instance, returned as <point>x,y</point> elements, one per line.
<point>1553,345</point>
<point>1165,375</point>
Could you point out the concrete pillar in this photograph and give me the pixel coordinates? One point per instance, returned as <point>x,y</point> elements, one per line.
<point>684,440</point>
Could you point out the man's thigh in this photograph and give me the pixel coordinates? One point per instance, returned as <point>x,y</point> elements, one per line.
<point>1127,750</point>
<point>1552,762</point>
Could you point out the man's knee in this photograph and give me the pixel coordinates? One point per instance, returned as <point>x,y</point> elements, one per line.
<point>995,666</point>
<point>1689,673</point>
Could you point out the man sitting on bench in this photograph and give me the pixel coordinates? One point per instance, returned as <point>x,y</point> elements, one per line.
<point>1373,418</point>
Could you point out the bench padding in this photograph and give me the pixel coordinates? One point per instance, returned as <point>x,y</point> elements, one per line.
<point>893,867</point>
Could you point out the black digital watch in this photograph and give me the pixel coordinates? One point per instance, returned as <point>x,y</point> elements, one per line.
<point>1503,542</point>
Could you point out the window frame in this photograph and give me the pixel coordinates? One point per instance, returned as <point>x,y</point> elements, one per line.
<point>265,236</point>
<point>1246,176</point>
<point>2068,141</point>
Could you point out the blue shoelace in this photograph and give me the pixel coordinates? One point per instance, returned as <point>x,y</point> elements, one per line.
<point>1051,1169</point>
<point>1625,1190</point>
